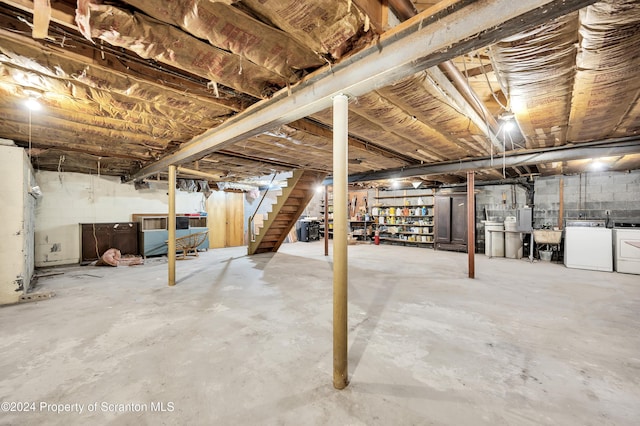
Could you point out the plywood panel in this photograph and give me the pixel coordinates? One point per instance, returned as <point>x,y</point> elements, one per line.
<point>234,219</point>
<point>217,212</point>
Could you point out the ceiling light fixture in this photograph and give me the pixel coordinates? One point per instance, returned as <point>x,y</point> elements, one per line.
<point>32,99</point>
<point>416,184</point>
<point>33,104</point>
<point>508,121</point>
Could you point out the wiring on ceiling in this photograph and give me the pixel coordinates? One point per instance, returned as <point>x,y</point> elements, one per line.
<point>493,140</point>
<point>486,76</point>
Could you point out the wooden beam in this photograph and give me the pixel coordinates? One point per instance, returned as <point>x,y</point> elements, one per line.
<point>190,172</point>
<point>41,18</point>
<point>62,14</point>
<point>377,11</point>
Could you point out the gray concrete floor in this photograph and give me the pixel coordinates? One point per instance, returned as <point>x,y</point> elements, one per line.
<point>247,340</point>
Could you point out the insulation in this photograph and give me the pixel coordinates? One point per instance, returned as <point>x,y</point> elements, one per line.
<point>362,155</point>
<point>318,151</point>
<point>97,91</point>
<point>365,129</point>
<point>410,95</point>
<point>606,87</point>
<point>419,139</point>
<point>327,26</point>
<point>164,43</point>
<point>230,29</point>
<point>236,168</point>
<point>537,68</point>
<point>107,110</point>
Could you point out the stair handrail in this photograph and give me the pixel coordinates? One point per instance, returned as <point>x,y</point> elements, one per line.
<point>252,231</point>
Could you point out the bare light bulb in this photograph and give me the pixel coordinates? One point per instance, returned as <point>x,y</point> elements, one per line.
<point>33,104</point>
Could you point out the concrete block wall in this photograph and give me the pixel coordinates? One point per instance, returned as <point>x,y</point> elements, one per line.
<point>588,196</point>
<point>496,202</point>
<point>73,198</point>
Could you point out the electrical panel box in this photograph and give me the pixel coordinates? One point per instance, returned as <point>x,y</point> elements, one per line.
<point>524,219</point>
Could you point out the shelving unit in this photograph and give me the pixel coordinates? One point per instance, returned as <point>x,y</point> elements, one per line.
<point>326,226</point>
<point>405,219</point>
<point>361,229</point>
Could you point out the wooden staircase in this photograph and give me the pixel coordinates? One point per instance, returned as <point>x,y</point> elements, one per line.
<point>285,212</point>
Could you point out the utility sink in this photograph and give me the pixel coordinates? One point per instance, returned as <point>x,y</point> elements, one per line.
<point>547,236</point>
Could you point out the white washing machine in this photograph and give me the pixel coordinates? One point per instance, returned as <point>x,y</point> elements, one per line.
<point>626,237</point>
<point>588,245</point>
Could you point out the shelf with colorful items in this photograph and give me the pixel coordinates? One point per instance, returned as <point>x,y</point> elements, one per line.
<point>329,224</point>
<point>404,224</point>
<point>361,226</point>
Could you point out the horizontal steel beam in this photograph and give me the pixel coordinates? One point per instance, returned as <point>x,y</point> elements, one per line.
<point>566,153</point>
<point>422,42</point>
<point>198,173</point>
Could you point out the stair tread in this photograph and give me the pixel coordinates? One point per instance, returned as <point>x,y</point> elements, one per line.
<point>297,194</point>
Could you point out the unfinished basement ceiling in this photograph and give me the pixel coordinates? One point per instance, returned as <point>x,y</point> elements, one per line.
<point>124,85</point>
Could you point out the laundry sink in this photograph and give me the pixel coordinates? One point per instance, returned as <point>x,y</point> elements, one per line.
<point>547,236</point>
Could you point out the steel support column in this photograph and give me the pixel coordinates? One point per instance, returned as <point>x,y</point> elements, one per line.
<point>171,224</point>
<point>471,224</point>
<point>340,214</point>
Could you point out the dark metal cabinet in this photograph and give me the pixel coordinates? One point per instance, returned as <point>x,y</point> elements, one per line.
<point>309,231</point>
<point>96,238</point>
<point>451,222</point>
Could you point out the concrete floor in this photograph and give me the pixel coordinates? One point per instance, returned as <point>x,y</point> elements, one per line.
<point>247,340</point>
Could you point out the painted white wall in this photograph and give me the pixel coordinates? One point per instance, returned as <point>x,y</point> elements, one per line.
<point>70,199</point>
<point>16,218</point>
